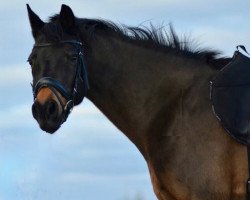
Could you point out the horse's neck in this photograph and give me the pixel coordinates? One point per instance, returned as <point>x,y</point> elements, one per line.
<point>131,84</point>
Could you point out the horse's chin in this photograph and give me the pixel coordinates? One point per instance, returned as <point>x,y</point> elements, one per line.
<point>50,130</point>
<point>49,127</point>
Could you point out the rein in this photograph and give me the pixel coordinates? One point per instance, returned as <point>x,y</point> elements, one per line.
<point>54,85</point>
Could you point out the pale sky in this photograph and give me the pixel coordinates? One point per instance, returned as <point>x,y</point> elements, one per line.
<point>88,158</point>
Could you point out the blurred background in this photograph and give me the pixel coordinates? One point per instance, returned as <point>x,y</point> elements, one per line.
<point>88,158</point>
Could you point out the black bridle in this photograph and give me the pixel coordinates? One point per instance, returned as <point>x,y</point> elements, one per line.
<point>54,85</point>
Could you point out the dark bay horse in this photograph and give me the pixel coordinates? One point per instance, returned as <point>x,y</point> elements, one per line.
<point>153,87</point>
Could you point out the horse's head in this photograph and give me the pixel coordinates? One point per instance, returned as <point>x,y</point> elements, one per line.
<point>59,75</point>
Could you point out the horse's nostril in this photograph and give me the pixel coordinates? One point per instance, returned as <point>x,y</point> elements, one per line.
<point>51,109</point>
<point>35,110</point>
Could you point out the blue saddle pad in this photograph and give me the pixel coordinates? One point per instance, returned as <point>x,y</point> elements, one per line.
<point>230,96</point>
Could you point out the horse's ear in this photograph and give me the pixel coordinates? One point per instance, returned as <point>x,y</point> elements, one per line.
<point>35,22</point>
<point>67,19</point>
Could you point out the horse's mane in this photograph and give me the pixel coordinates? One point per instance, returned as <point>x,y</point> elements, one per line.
<point>158,38</point>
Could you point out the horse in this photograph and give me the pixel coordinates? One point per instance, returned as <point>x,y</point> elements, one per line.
<point>151,85</point>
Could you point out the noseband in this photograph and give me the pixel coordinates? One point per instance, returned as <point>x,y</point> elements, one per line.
<point>54,85</point>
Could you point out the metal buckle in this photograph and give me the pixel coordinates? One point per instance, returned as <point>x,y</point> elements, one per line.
<point>69,106</point>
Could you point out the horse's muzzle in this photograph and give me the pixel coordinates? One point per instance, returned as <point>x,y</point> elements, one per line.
<point>47,115</point>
